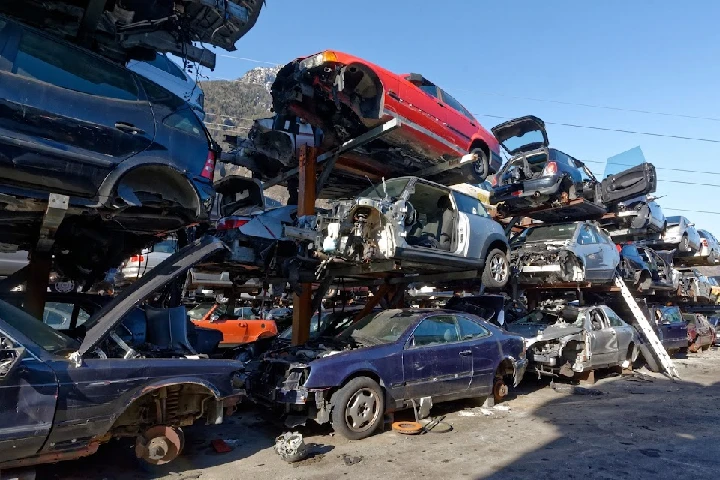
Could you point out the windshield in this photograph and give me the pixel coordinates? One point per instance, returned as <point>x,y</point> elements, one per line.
<point>671,315</point>
<point>552,232</point>
<point>45,336</point>
<point>674,220</point>
<point>394,187</point>
<point>166,246</point>
<point>331,324</point>
<point>545,318</point>
<point>199,312</point>
<point>381,328</point>
<point>529,138</point>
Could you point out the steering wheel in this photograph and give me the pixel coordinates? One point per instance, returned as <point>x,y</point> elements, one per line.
<point>411,215</point>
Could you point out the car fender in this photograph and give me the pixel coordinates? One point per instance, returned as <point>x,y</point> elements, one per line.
<point>335,377</point>
<point>493,237</point>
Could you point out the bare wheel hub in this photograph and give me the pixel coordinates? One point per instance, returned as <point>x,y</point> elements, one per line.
<point>159,444</point>
<point>500,390</point>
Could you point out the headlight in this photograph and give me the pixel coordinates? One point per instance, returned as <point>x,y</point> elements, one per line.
<point>321,58</point>
<point>237,381</point>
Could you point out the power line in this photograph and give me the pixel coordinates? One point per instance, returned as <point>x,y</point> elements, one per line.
<point>606,129</point>
<point>604,107</point>
<point>253,60</point>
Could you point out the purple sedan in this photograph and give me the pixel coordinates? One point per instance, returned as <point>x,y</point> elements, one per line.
<point>382,363</point>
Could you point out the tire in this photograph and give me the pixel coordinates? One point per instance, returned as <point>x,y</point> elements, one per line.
<point>684,244</point>
<point>477,171</point>
<point>358,408</point>
<point>496,272</point>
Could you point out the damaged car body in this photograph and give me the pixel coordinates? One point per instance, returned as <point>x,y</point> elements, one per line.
<point>382,363</point>
<point>538,175</point>
<point>64,397</point>
<point>564,339</point>
<point>346,96</point>
<point>647,270</point>
<point>125,29</point>
<point>414,223</point>
<point>568,252</point>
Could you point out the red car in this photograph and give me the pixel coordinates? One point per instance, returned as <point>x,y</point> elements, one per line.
<point>346,96</point>
<point>701,334</point>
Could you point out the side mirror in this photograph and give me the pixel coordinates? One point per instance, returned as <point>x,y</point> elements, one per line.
<point>410,342</point>
<point>501,318</point>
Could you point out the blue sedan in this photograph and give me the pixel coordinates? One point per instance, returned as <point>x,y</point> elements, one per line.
<point>382,363</point>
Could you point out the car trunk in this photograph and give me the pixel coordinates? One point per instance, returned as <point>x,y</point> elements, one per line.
<point>638,180</point>
<point>521,134</point>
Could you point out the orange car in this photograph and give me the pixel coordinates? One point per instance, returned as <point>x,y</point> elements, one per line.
<point>240,327</point>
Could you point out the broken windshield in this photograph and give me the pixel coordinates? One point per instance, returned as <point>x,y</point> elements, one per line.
<point>394,187</point>
<point>381,328</point>
<point>549,233</point>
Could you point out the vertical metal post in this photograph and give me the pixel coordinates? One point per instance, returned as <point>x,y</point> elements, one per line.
<point>37,283</point>
<point>302,304</point>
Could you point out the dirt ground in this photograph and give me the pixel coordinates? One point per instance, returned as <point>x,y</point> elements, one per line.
<point>640,426</point>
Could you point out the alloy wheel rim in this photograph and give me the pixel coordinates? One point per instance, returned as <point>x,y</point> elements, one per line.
<point>362,410</point>
<point>498,268</point>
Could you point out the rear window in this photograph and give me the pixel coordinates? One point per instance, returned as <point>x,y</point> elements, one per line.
<point>182,117</point>
<point>70,68</point>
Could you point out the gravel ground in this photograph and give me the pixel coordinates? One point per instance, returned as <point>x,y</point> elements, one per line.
<point>639,426</point>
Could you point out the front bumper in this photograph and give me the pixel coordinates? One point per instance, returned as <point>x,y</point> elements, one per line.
<point>520,369</point>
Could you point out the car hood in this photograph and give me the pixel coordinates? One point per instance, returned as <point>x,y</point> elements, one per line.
<point>510,134</point>
<point>104,321</point>
<point>527,330</point>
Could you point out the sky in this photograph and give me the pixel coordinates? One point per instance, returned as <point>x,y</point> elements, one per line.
<point>593,64</point>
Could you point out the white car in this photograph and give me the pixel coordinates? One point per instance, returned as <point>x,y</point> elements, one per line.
<point>138,265</point>
<point>171,76</point>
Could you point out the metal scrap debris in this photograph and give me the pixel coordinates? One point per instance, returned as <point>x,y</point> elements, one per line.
<point>574,389</point>
<point>291,447</point>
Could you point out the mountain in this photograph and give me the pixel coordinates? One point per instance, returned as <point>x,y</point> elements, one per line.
<point>232,105</point>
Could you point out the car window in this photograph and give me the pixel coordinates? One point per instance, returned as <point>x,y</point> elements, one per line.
<point>186,121</point>
<point>429,89</point>
<point>43,335</point>
<point>672,315</point>
<point>182,118</point>
<point>470,330</point>
<point>470,205</point>
<point>70,68</point>
<point>435,330</point>
<point>597,320</point>
<point>455,105</point>
<point>615,321</point>
<point>166,246</point>
<point>586,236</point>
<point>163,63</point>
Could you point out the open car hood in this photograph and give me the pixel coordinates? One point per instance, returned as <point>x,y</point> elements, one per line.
<point>176,265</point>
<point>521,134</point>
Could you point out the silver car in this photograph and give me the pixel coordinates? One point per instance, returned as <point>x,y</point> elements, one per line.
<point>570,340</point>
<point>695,286</point>
<point>709,248</point>
<point>138,265</point>
<point>566,252</point>
<point>680,234</point>
<point>416,223</point>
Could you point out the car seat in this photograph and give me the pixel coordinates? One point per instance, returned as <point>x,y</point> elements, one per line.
<point>167,328</point>
<point>446,224</point>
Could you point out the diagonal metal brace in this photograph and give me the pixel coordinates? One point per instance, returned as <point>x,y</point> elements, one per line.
<point>54,215</point>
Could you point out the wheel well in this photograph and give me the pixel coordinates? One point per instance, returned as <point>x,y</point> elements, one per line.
<point>631,348</point>
<point>481,145</point>
<point>368,87</point>
<point>173,405</point>
<point>161,180</point>
<point>505,368</point>
<point>497,244</point>
<point>362,373</point>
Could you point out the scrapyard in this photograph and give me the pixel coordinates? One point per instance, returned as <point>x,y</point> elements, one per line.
<point>165,313</point>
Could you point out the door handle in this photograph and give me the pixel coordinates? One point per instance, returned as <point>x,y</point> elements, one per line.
<point>465,353</point>
<point>129,128</point>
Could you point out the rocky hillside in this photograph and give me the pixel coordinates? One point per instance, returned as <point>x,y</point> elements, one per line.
<point>231,107</point>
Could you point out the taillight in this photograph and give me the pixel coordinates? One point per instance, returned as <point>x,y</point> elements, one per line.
<point>704,242</point>
<point>494,181</point>
<point>137,259</point>
<point>209,169</point>
<point>550,169</point>
<point>231,223</point>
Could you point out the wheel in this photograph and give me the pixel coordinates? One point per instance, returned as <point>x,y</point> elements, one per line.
<point>358,408</point>
<point>684,244</point>
<point>496,272</point>
<point>645,282</point>
<point>477,171</point>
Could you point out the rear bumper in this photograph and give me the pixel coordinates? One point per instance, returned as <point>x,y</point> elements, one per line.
<point>520,193</point>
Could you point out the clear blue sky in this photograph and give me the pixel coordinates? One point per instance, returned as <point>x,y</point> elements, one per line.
<point>660,56</point>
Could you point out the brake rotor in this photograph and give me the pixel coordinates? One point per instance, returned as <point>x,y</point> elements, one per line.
<point>500,390</point>
<point>159,444</point>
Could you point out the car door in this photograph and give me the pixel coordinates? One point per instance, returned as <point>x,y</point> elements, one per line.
<point>421,105</point>
<point>638,180</point>
<point>589,247</point>
<point>623,333</point>
<point>67,116</point>
<point>474,226</point>
<point>603,339</point>
<point>28,397</point>
<point>435,361</point>
<point>459,121</point>
<point>484,348</point>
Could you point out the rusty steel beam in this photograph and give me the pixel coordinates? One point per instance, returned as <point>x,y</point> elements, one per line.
<point>38,279</point>
<point>302,304</point>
